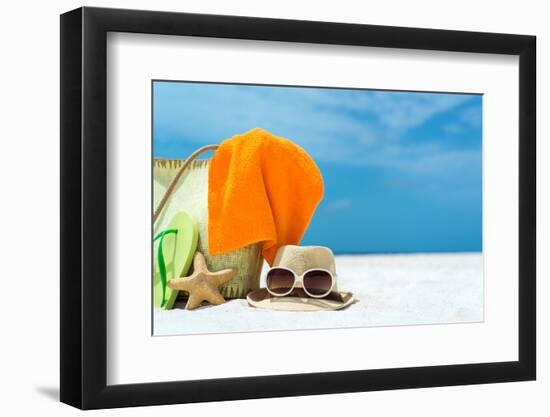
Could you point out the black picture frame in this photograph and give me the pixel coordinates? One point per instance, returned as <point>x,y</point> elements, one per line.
<point>84,207</point>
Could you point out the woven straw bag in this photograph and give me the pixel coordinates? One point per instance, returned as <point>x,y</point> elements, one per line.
<point>183,185</point>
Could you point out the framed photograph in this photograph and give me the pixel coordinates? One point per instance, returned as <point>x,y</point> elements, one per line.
<point>257,207</point>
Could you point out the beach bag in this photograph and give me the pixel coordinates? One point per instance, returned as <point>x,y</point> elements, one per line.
<point>182,185</point>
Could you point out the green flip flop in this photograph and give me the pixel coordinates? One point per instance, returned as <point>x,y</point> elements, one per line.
<point>173,257</point>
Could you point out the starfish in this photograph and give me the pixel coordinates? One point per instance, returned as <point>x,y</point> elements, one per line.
<point>202,285</point>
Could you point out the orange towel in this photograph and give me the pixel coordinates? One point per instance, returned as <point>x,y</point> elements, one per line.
<point>261,188</point>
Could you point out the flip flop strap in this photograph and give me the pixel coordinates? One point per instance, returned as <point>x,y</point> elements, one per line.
<point>161,263</point>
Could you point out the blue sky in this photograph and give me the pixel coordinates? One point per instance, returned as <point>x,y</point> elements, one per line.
<point>402,170</point>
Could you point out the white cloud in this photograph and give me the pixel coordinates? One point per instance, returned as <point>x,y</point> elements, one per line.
<point>470,117</point>
<point>352,127</point>
<point>336,205</point>
<point>395,110</point>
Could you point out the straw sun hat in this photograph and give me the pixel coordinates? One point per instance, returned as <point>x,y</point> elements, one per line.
<point>299,259</point>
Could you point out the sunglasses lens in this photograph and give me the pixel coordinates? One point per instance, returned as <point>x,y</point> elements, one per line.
<point>279,281</point>
<point>318,282</point>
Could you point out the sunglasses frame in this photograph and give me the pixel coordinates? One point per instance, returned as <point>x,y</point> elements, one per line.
<point>299,279</point>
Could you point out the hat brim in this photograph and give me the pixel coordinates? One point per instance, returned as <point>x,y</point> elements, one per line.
<point>263,299</point>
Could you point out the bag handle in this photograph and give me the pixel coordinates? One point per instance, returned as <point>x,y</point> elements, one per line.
<point>174,182</point>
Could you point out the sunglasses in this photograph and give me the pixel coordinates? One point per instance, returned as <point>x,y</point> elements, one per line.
<point>316,283</point>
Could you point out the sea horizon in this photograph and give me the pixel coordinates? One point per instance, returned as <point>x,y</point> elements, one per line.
<point>345,253</point>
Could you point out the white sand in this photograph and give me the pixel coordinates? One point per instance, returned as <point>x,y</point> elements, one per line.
<point>390,290</point>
